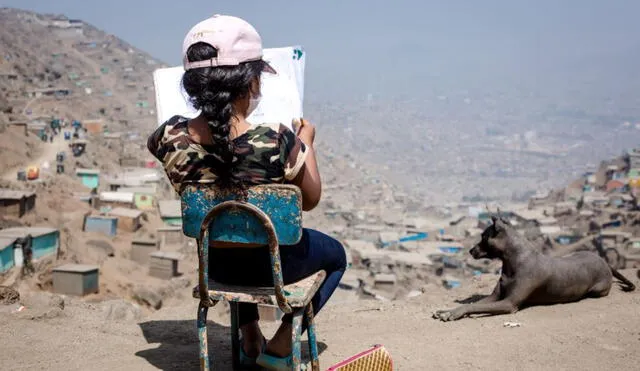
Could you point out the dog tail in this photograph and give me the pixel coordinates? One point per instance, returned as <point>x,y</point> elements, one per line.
<point>628,285</point>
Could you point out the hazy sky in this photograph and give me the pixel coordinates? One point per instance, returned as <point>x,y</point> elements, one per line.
<point>373,45</point>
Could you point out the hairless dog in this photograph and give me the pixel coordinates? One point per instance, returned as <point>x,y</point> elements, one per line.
<point>531,278</point>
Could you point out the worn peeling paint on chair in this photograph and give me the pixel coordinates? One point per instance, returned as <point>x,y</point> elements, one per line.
<point>202,336</point>
<point>282,203</point>
<point>295,339</point>
<point>311,333</point>
<point>271,215</point>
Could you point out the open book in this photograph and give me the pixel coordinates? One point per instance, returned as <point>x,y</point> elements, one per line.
<point>282,94</point>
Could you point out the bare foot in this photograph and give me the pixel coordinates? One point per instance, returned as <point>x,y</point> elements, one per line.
<point>252,339</point>
<point>280,344</point>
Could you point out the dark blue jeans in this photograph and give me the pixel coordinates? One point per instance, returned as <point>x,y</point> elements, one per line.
<point>251,267</point>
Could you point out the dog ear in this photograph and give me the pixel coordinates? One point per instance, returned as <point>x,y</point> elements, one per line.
<point>494,219</point>
<point>499,223</point>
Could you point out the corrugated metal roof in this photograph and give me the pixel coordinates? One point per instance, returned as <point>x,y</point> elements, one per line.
<point>548,221</point>
<point>9,194</point>
<point>97,216</point>
<point>36,125</point>
<point>615,233</point>
<point>76,268</point>
<point>116,196</point>
<point>169,229</point>
<point>141,190</point>
<point>166,255</point>
<point>622,196</point>
<point>527,214</point>
<point>123,211</point>
<point>550,229</point>
<point>144,241</point>
<point>87,171</point>
<point>170,208</point>
<point>595,194</point>
<point>125,182</point>
<point>134,177</point>
<point>23,231</point>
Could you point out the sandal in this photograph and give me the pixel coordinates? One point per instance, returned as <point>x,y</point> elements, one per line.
<point>245,360</point>
<point>274,363</point>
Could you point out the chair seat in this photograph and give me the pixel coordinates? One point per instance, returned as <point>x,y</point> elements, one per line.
<point>298,294</point>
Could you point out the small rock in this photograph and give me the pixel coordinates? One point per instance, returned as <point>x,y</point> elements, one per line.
<point>8,295</point>
<point>511,324</point>
<point>41,305</point>
<point>120,310</point>
<point>147,297</point>
<point>56,301</point>
<point>414,293</point>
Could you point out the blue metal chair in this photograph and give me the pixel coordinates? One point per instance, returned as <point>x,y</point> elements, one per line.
<point>270,215</point>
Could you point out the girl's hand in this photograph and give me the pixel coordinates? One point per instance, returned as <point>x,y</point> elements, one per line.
<point>306,132</point>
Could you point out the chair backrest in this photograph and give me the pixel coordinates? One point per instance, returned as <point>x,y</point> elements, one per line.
<point>281,203</point>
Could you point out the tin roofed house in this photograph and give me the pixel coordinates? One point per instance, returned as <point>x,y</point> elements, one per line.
<point>616,185</point>
<point>46,241</point>
<point>170,212</point>
<point>7,260</point>
<point>93,126</point>
<point>143,197</point>
<point>133,177</point>
<point>90,177</point>
<point>170,235</point>
<point>116,199</point>
<point>107,225</point>
<point>16,203</point>
<point>128,219</point>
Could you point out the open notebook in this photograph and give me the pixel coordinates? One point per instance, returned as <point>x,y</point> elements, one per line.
<point>282,94</point>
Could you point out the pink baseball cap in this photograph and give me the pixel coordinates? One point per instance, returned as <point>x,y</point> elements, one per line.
<point>234,38</point>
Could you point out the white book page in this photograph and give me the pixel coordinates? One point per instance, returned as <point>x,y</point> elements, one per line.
<point>282,94</point>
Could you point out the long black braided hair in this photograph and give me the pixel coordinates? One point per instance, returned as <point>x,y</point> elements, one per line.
<point>213,91</point>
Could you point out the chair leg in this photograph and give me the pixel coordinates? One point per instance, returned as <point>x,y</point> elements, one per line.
<point>202,335</point>
<point>235,336</point>
<point>295,339</point>
<point>311,334</point>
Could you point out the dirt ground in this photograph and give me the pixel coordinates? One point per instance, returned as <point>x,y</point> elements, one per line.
<point>593,334</point>
<point>36,151</point>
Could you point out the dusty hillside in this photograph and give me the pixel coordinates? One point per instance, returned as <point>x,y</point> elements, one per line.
<point>140,322</point>
<point>18,149</point>
<point>105,77</point>
<point>594,334</point>
<point>54,67</point>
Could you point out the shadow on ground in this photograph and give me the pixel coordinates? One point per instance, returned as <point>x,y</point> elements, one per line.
<point>178,349</point>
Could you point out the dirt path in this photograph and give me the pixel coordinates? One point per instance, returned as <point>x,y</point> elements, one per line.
<point>595,334</point>
<point>49,151</point>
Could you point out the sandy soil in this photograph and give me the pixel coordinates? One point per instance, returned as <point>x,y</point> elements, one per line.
<point>46,153</point>
<point>593,334</point>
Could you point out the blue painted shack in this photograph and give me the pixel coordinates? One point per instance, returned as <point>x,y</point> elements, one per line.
<point>567,239</point>
<point>6,253</point>
<point>46,241</point>
<point>107,225</point>
<point>90,177</point>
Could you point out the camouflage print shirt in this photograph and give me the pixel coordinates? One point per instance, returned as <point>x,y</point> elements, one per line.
<point>269,153</point>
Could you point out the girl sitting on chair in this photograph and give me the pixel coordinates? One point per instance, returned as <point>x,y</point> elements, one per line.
<point>223,63</point>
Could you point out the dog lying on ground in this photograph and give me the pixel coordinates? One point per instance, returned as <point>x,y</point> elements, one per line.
<point>531,278</point>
